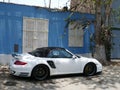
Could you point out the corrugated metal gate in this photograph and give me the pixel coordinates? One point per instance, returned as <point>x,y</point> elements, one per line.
<point>115,51</point>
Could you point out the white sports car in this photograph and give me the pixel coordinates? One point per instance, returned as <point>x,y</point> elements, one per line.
<point>48,61</point>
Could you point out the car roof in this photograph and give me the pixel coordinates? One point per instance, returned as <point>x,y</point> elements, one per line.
<point>48,48</point>
<point>44,51</point>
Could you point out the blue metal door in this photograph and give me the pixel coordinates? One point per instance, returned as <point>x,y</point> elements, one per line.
<point>115,41</point>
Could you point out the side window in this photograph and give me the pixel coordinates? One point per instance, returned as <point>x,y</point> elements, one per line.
<point>54,54</point>
<point>59,53</point>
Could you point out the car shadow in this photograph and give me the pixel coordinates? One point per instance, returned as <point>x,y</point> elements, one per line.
<point>30,79</point>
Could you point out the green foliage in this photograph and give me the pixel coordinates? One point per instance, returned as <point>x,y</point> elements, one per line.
<point>103,24</point>
<point>116,14</point>
<point>108,2</point>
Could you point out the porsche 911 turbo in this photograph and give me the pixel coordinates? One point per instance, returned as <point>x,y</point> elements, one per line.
<point>49,61</point>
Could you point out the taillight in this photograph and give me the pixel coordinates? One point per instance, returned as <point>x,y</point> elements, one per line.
<point>20,63</point>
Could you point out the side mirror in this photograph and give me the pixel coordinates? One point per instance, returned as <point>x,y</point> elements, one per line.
<point>74,57</point>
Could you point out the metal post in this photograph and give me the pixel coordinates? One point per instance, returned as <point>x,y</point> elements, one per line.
<point>45,3</point>
<point>49,3</point>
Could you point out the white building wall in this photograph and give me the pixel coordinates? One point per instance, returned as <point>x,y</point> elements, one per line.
<point>5,59</point>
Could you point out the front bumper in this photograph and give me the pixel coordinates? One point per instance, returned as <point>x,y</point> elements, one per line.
<point>99,68</point>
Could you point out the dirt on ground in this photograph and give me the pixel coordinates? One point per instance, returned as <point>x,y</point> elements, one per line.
<point>109,79</point>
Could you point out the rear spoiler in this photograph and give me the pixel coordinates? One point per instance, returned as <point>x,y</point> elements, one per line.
<point>14,55</point>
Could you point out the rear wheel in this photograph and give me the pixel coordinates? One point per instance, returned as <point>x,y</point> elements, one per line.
<point>40,72</point>
<point>90,69</point>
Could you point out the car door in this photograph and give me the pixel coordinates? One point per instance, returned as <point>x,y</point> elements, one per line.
<point>64,61</point>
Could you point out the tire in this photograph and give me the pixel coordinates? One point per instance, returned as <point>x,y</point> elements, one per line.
<point>90,69</point>
<point>40,72</point>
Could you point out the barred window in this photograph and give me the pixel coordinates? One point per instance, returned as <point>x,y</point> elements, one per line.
<point>75,35</point>
<point>35,33</point>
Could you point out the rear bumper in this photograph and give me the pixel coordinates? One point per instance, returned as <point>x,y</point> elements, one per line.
<point>20,70</point>
<point>17,73</point>
<point>21,73</point>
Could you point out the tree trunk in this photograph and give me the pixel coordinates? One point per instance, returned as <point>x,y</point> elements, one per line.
<point>100,53</point>
<point>99,48</point>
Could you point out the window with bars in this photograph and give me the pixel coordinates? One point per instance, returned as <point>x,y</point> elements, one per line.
<point>35,33</point>
<point>75,35</point>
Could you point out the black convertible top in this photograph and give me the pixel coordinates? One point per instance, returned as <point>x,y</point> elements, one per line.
<point>43,52</point>
<point>49,48</point>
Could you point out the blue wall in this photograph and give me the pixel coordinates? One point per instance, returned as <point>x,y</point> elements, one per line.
<point>115,42</point>
<point>11,27</point>
<point>115,20</point>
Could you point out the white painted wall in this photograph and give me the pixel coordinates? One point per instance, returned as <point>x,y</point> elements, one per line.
<point>5,59</point>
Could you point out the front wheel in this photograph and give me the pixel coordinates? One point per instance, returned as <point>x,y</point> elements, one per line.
<point>90,69</point>
<point>40,72</point>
